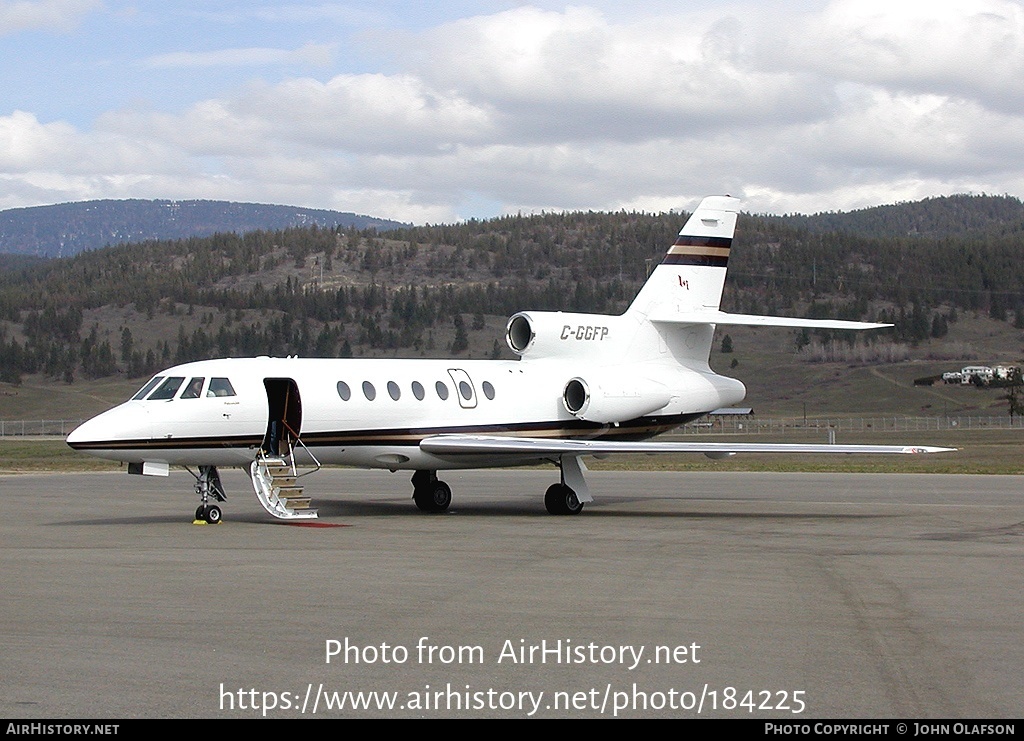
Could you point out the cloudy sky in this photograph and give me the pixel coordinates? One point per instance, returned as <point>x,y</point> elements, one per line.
<point>433,112</point>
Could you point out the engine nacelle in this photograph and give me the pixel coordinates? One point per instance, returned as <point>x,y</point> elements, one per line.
<point>552,334</point>
<point>610,398</point>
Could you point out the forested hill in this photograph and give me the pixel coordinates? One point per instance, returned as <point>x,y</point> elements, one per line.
<point>948,216</point>
<point>69,228</point>
<point>444,290</point>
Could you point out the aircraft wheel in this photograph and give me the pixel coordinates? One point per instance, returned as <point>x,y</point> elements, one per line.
<point>422,498</point>
<point>200,512</point>
<point>442,496</point>
<point>561,500</point>
<point>213,514</point>
<point>433,498</point>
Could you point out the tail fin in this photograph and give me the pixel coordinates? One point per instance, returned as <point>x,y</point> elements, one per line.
<point>692,275</point>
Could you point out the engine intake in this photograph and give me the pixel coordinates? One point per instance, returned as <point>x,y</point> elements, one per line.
<point>552,334</point>
<point>610,398</point>
<point>519,333</point>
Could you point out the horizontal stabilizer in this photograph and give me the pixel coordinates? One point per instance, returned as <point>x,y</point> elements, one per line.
<point>757,320</point>
<point>493,444</point>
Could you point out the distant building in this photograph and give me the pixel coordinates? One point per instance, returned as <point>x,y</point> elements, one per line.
<point>982,372</point>
<point>982,375</point>
<point>732,412</point>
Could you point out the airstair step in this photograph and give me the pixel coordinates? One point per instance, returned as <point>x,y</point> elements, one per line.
<point>274,480</point>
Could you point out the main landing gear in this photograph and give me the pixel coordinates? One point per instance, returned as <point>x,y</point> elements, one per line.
<point>568,496</point>
<point>207,485</point>
<point>564,498</point>
<point>561,500</point>
<point>429,492</point>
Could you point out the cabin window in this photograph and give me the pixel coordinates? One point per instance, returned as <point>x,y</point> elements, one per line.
<point>442,390</point>
<point>417,390</point>
<point>344,391</point>
<point>220,387</point>
<point>466,390</point>
<point>488,390</point>
<point>147,388</point>
<point>167,389</point>
<point>393,391</point>
<point>369,391</point>
<point>194,389</point>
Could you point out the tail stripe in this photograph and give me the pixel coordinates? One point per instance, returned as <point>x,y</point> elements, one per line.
<point>709,251</point>
<point>690,241</point>
<point>711,261</point>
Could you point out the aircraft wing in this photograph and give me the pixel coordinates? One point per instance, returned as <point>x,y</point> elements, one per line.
<point>494,444</point>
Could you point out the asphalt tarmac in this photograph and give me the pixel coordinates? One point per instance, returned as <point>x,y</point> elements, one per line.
<point>786,596</point>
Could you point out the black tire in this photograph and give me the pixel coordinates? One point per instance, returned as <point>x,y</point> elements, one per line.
<point>559,499</point>
<point>201,512</point>
<point>422,497</point>
<point>442,496</point>
<point>435,497</point>
<point>213,514</point>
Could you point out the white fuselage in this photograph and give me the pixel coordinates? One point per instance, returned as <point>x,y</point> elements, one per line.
<point>516,398</point>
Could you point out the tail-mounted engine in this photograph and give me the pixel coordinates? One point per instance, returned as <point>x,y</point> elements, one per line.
<point>603,396</point>
<point>610,398</point>
<point>555,334</point>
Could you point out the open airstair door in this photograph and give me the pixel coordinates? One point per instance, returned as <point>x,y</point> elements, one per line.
<point>284,415</point>
<point>274,477</point>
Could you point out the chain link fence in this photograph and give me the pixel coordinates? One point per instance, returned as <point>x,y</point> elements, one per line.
<point>752,425</point>
<point>38,427</point>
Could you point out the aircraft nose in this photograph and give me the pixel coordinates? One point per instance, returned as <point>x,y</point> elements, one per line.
<point>84,433</point>
<point>125,422</point>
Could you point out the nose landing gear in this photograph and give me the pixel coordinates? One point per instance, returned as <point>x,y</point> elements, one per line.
<point>207,484</point>
<point>208,513</point>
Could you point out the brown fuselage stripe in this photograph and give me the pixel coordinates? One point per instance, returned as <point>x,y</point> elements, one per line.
<point>639,429</point>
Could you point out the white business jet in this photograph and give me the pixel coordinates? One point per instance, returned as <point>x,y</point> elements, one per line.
<point>585,384</point>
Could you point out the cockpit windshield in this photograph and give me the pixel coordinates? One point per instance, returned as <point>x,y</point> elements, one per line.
<point>167,389</point>
<point>147,388</point>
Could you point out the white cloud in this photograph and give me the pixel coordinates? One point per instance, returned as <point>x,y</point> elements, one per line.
<point>835,107</point>
<point>575,76</point>
<point>309,54</point>
<point>964,48</point>
<point>348,115</point>
<point>50,15</point>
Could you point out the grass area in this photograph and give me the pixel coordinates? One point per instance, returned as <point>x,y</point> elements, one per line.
<point>979,451</point>
<point>780,384</point>
<point>30,454</point>
<point>42,398</point>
